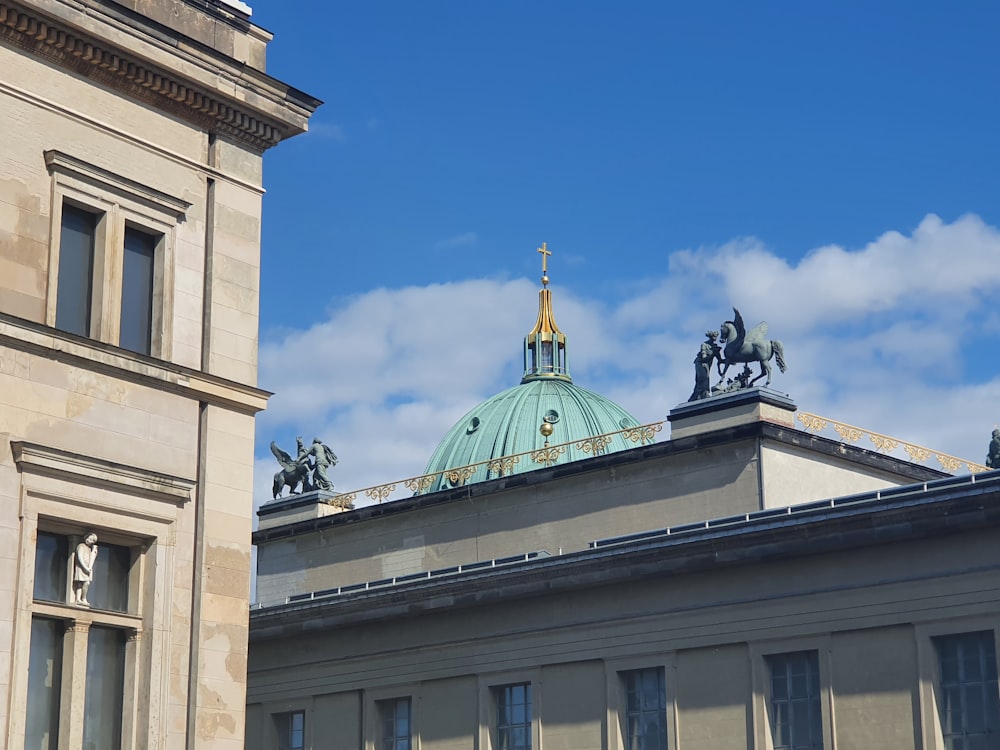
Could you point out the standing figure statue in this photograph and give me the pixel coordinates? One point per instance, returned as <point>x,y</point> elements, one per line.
<point>708,353</point>
<point>83,568</point>
<point>993,456</point>
<point>742,345</point>
<point>323,458</point>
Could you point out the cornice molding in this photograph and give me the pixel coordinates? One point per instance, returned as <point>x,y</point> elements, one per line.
<point>24,335</point>
<point>164,89</point>
<point>42,459</point>
<point>57,161</point>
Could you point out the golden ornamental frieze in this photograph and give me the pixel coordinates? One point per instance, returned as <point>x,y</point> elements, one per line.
<point>505,465</point>
<point>886,444</point>
<point>548,455</point>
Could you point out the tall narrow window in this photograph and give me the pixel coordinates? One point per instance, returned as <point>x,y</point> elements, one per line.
<point>136,329</point>
<point>41,731</point>
<point>75,285</point>
<point>102,712</point>
<point>51,559</point>
<point>546,356</point>
<point>969,701</point>
<point>645,709</point>
<point>394,724</point>
<point>514,717</point>
<point>109,589</point>
<point>796,713</point>
<point>291,730</point>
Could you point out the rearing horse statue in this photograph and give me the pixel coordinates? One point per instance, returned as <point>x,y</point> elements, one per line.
<point>749,346</point>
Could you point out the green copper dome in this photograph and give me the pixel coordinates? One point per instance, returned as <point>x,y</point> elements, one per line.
<point>509,423</point>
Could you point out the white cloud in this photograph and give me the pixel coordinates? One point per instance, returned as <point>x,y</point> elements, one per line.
<point>901,336</point>
<point>466,239</point>
<point>327,130</point>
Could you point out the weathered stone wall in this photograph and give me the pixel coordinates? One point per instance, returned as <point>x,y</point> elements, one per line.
<point>154,453</point>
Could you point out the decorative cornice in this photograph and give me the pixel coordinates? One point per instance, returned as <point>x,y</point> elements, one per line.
<point>25,335</point>
<point>42,459</point>
<point>57,161</point>
<point>138,78</point>
<point>914,512</point>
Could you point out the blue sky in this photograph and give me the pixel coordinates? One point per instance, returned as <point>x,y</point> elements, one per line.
<point>831,169</point>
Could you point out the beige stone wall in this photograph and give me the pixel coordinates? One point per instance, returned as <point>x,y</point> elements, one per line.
<point>155,454</point>
<point>869,613</point>
<point>791,475</point>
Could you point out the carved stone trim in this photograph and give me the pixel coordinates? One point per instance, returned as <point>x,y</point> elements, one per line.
<point>139,79</point>
<point>41,459</point>
<point>25,335</point>
<point>62,163</point>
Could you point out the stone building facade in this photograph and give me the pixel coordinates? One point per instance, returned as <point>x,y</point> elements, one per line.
<point>130,205</point>
<point>743,584</point>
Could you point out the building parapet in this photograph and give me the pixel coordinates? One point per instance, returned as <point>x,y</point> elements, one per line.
<point>906,501</point>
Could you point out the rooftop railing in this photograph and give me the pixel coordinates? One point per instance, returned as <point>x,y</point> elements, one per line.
<point>917,454</point>
<point>645,434</point>
<point>505,465</point>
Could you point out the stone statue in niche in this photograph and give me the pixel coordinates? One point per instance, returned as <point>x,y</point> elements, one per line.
<point>308,468</point>
<point>83,569</point>
<point>993,455</point>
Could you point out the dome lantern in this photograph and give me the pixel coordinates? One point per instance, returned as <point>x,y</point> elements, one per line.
<point>545,344</point>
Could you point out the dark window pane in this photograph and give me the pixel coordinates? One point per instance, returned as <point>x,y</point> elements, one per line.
<point>137,291</point>
<point>514,716</point>
<point>291,730</point>
<point>76,271</point>
<point>646,709</point>
<point>44,685</point>
<point>109,587</point>
<point>51,560</point>
<point>968,692</point>
<point>394,718</point>
<point>102,712</point>
<point>795,710</point>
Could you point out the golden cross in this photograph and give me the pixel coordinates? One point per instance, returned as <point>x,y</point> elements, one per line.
<point>545,256</point>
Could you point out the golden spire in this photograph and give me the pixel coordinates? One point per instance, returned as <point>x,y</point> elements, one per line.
<point>545,256</point>
<point>545,345</point>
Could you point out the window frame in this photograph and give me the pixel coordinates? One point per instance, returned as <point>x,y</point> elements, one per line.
<point>119,203</point>
<point>617,698</point>
<point>127,506</point>
<point>982,683</point>
<point>488,685</point>
<point>78,623</point>
<point>380,709</point>
<point>761,680</point>
<point>286,743</point>
<point>928,689</point>
<point>660,710</point>
<point>813,699</point>
<point>371,717</point>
